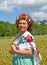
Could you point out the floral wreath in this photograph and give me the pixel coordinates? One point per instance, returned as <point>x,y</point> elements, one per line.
<point>24,17</point>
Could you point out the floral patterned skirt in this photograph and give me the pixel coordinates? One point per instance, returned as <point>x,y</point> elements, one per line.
<point>23,60</point>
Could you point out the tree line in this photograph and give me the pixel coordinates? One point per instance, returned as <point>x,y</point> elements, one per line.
<point>9,29</point>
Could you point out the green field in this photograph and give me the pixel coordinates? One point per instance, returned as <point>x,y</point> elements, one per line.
<point>6,58</point>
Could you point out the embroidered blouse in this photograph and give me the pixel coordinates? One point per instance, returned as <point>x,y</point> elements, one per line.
<point>26,41</point>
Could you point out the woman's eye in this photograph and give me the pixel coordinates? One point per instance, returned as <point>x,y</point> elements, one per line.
<point>20,23</point>
<point>24,23</point>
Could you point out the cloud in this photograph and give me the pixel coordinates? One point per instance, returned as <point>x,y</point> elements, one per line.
<point>44,8</point>
<point>9,5</point>
<point>39,15</point>
<point>37,7</point>
<point>4,6</point>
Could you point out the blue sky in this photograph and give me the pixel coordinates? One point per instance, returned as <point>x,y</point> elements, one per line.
<point>11,16</point>
<point>9,9</point>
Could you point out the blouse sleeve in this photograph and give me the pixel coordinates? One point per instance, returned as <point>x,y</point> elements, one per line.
<point>30,42</point>
<point>24,44</point>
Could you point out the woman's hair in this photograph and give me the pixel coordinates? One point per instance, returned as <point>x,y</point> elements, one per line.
<point>28,19</point>
<point>30,28</point>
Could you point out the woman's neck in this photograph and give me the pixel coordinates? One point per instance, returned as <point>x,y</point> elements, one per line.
<point>23,32</point>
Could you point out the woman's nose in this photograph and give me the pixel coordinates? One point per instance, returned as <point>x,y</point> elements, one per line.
<point>21,24</point>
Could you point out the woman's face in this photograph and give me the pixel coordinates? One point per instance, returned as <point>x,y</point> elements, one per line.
<point>22,25</point>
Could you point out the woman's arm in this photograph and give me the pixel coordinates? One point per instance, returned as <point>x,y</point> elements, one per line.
<point>11,49</point>
<point>22,52</point>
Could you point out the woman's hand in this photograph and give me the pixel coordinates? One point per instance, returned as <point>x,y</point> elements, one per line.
<point>13,48</point>
<point>10,51</point>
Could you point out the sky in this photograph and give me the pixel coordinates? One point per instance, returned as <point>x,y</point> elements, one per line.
<point>9,9</point>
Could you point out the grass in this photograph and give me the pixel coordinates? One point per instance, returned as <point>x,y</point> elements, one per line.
<point>6,58</point>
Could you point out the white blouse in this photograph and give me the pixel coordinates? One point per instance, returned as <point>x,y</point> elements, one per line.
<point>23,44</point>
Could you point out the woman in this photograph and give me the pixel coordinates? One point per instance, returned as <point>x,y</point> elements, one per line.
<point>24,45</point>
